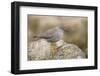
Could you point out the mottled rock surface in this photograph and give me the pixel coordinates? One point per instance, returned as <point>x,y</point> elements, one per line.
<point>69,51</point>
<point>40,50</point>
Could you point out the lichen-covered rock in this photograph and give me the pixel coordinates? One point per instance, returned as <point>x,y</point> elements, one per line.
<point>69,51</point>
<point>41,50</point>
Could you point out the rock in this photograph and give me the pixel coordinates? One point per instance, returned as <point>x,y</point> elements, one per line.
<point>69,51</point>
<point>40,50</point>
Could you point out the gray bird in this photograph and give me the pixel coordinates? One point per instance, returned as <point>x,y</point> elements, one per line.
<point>52,35</point>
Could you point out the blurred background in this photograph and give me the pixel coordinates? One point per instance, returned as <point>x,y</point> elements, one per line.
<point>77,26</point>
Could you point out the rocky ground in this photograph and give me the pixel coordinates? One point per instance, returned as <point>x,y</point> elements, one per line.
<point>42,50</point>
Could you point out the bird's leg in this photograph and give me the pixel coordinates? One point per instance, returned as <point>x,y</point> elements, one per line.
<point>53,48</point>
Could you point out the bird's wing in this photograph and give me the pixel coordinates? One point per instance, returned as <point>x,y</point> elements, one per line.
<point>49,33</point>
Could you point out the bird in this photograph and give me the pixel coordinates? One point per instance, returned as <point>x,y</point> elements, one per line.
<point>52,35</point>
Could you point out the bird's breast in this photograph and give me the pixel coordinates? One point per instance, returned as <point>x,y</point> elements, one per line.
<point>57,35</point>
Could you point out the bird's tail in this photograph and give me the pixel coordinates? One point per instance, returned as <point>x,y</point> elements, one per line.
<point>35,38</point>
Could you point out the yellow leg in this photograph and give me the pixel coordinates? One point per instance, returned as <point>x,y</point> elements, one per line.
<point>53,49</point>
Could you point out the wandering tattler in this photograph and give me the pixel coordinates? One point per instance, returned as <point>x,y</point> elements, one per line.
<point>52,35</point>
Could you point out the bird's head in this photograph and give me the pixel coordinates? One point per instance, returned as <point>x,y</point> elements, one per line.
<point>65,29</point>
